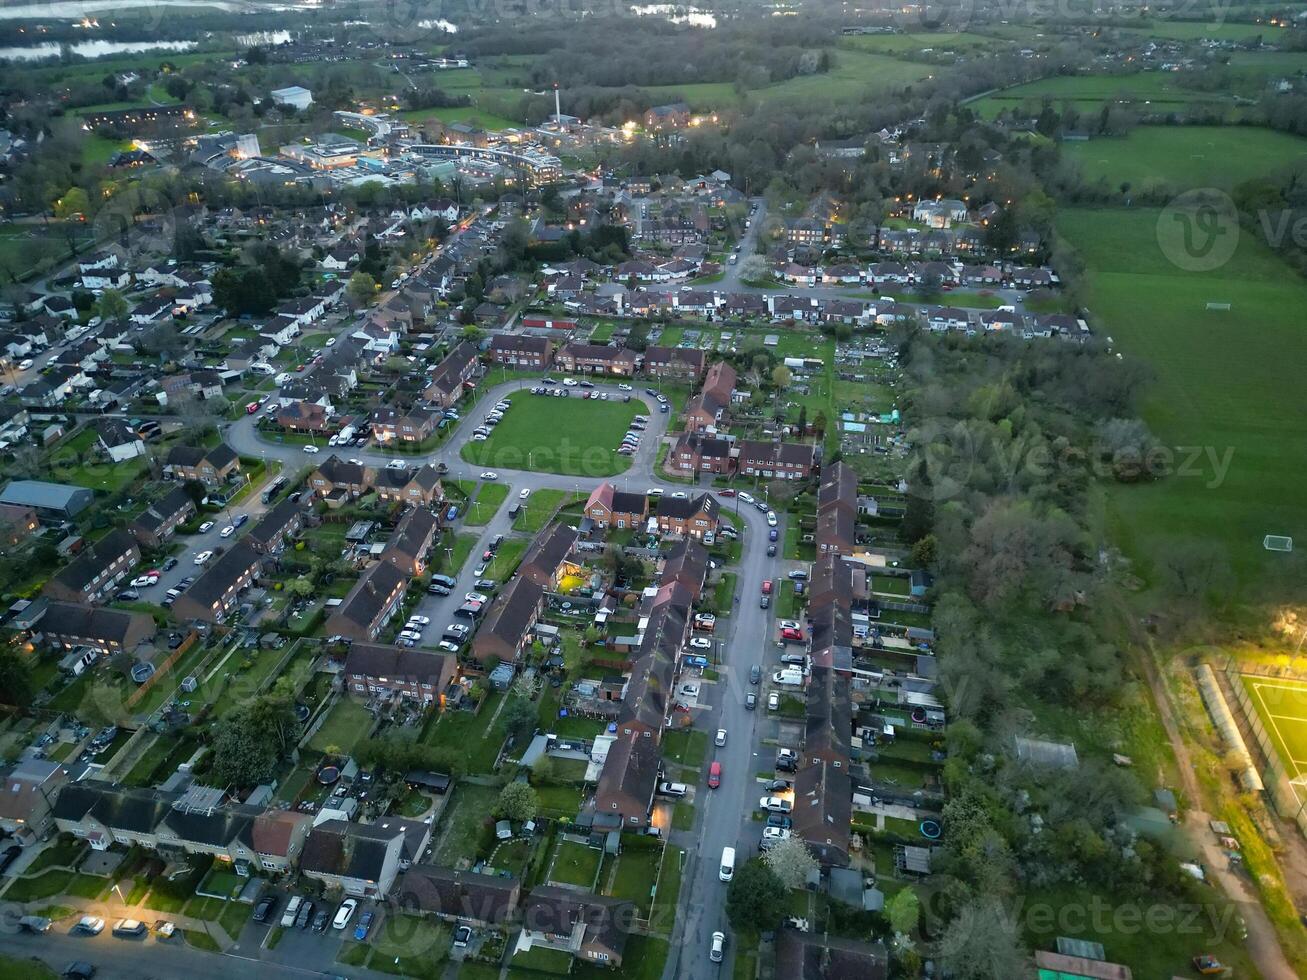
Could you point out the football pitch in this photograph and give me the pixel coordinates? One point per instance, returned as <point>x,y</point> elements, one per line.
<point>1282,706</point>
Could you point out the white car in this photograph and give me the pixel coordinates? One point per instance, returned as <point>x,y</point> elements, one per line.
<point>311,450</point>
<point>227,531</point>
<point>413,635</point>
<point>625,388</point>
<point>343,913</point>
<point>143,582</point>
<point>747,498</point>
<point>690,690</point>
<point>331,341</point>
<point>479,570</point>
<point>395,464</point>
<point>202,557</point>
<point>654,492</point>
<point>419,620</point>
<point>475,597</point>
<point>680,495</point>
<point>721,737</point>
<point>479,437</point>
<point>490,475</point>
<point>701,643</point>
<point>206,527</point>
<point>771,518</point>
<point>774,804</point>
<point>718,948</point>
<point>526,492</point>
<point>569,382</point>
<point>787,624</point>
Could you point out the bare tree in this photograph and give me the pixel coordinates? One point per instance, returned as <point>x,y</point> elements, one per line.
<point>791,861</point>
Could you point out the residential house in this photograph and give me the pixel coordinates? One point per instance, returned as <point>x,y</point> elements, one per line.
<point>103,814</point>
<point>303,416</point>
<point>117,440</point>
<point>96,573</point>
<point>620,509</point>
<point>506,633</point>
<point>69,625</point>
<point>212,467</point>
<point>776,460</point>
<point>577,358</point>
<point>452,376</point>
<point>691,517</point>
<point>370,604</point>
<point>459,896</point>
<point>216,593</point>
<point>154,526</point>
<point>821,956</point>
<point>411,541</point>
<point>359,859</point>
<point>698,452</point>
<point>707,409</point>
<point>675,363</point>
<point>546,560</point>
<point>837,510</point>
<point>412,426</point>
<point>27,797</point>
<point>521,351</point>
<point>593,928</point>
<point>336,480</point>
<point>277,837</point>
<point>823,786</point>
<point>674,115</point>
<point>277,526</point>
<point>377,670</point>
<point>413,487</point>
<point>17,523</point>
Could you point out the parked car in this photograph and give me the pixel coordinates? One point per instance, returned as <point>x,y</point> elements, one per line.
<point>305,915</point>
<point>721,737</point>
<point>673,789</point>
<point>129,928</point>
<point>773,701</point>
<point>792,635</point>
<point>701,643</point>
<point>361,930</point>
<point>344,913</point>
<point>320,921</point>
<point>774,804</point>
<point>714,775</point>
<point>755,674</point>
<point>89,925</point>
<point>462,936</point>
<point>264,910</point>
<point>79,970</point>
<point>778,786</point>
<point>771,551</point>
<point>750,701</point>
<point>205,528</point>
<point>717,950</point>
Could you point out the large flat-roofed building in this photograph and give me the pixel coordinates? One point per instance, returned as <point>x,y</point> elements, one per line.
<point>50,499</point>
<point>295,96</point>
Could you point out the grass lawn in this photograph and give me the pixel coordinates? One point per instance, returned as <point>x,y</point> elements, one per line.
<point>575,864</point>
<point>634,878</point>
<point>459,833</point>
<point>1244,481</point>
<point>62,853</point>
<point>1186,156</point>
<point>43,886</point>
<point>347,723</point>
<point>686,747</point>
<point>420,945</point>
<point>473,734</point>
<point>644,959</point>
<point>468,114</point>
<point>559,801</point>
<point>487,503</point>
<point>573,436</point>
<point>683,816</point>
<point>451,551</point>
<point>507,559</point>
<point>1088,91</point>
<point>853,74</point>
<point>539,509</point>
<point>542,959</point>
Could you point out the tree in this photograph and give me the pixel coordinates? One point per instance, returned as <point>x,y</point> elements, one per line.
<point>780,377</point>
<point>903,911</point>
<point>543,769</point>
<point>519,718</point>
<point>756,898</point>
<point>791,861</point>
<point>74,204</point>
<point>982,942</point>
<point>753,268</point>
<point>361,289</point>
<point>15,678</point>
<point>252,741</point>
<point>299,586</point>
<point>517,801</point>
<point>111,306</point>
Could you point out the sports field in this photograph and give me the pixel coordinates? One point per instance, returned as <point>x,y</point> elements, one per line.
<point>575,436</point>
<point>1089,91</point>
<point>1224,386</point>
<point>1182,157</point>
<point>1281,704</point>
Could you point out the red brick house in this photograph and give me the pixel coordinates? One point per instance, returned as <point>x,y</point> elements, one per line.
<point>621,509</point>
<point>596,359</point>
<point>674,363</point>
<point>374,669</point>
<point>521,351</point>
<point>776,460</point>
<point>708,409</point>
<point>691,517</point>
<point>452,376</point>
<point>211,467</point>
<point>696,452</point>
<point>375,598</point>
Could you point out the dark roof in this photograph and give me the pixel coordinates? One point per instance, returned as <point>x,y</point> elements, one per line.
<point>504,628</point>
<point>809,956</point>
<point>830,613</point>
<point>217,829</point>
<point>159,512</point>
<point>274,522</point>
<point>413,533</point>
<point>608,921</point>
<point>792,453</point>
<point>348,850</point>
<point>90,622</point>
<point>338,470</point>
<point>117,807</point>
<point>82,570</point>
<point>365,601</point>
<point>447,374</point>
<point>547,552</point>
<point>399,663</point>
<point>223,574</point>
<point>524,342</point>
<point>684,508</point>
<point>629,502</point>
<point>462,894</point>
<point>689,356</point>
<point>686,563</point>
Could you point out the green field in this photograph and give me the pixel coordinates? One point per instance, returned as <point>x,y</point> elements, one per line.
<point>488,500</point>
<point>1210,367</point>
<point>853,74</point>
<point>1089,91</point>
<point>1183,157</point>
<point>913,43</point>
<point>348,722</point>
<point>573,436</point>
<point>1186,30</point>
<point>1281,703</point>
<point>475,115</point>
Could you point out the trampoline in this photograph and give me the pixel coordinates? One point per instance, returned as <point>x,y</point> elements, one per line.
<point>930,829</point>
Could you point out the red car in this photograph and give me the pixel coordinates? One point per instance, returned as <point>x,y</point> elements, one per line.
<point>766,586</point>
<point>790,633</point>
<point>726,493</point>
<point>251,408</point>
<point>714,775</point>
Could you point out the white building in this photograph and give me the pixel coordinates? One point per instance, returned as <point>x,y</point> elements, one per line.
<point>295,96</point>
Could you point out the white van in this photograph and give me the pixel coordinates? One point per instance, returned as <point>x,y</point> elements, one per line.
<point>292,910</point>
<point>789,677</point>
<point>260,367</point>
<point>727,871</point>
